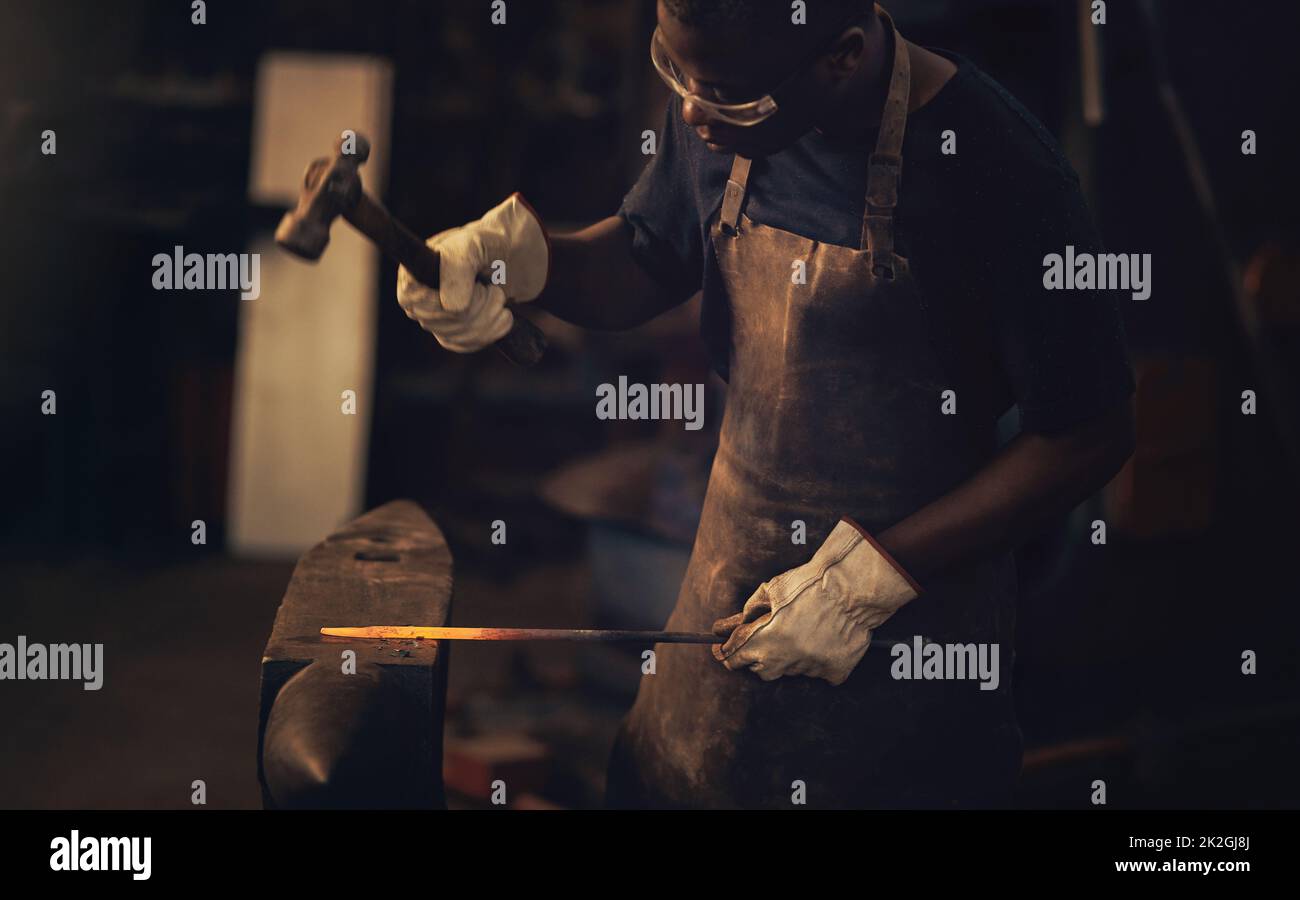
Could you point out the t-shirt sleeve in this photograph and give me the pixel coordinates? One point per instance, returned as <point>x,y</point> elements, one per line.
<point>663,215</point>
<point>1062,351</point>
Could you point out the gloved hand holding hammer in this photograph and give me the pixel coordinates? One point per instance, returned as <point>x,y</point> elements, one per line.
<point>467,312</point>
<point>508,242</point>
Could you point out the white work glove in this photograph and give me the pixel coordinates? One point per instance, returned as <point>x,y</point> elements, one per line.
<point>467,312</point>
<point>816,619</point>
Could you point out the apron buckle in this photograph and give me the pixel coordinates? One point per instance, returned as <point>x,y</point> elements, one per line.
<point>884,171</point>
<point>729,219</point>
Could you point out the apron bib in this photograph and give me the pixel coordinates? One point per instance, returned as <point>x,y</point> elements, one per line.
<point>833,409</point>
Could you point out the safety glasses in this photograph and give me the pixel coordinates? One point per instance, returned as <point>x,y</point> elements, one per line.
<point>745,113</point>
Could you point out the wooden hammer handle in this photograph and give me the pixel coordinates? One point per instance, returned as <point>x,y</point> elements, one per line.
<point>524,345</point>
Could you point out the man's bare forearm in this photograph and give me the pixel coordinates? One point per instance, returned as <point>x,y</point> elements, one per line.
<point>1033,479</point>
<point>594,281</point>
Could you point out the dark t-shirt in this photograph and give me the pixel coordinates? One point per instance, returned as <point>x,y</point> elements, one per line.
<point>975,226</point>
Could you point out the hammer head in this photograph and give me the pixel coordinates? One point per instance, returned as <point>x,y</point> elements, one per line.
<point>329,187</point>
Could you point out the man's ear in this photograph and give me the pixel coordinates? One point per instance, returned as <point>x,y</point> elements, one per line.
<point>846,54</point>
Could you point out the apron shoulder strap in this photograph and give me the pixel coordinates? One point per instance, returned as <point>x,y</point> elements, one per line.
<point>734,196</point>
<point>885,167</point>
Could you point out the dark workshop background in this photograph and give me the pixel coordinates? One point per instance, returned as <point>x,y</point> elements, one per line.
<point>1128,653</point>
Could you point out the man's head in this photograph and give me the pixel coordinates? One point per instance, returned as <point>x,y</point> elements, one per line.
<point>735,51</point>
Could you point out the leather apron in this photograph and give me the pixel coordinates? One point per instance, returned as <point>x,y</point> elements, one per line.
<point>833,409</point>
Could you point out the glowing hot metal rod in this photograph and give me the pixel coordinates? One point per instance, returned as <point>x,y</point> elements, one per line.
<point>420,633</point>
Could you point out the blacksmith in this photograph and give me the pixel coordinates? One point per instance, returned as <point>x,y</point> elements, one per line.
<point>919,200</point>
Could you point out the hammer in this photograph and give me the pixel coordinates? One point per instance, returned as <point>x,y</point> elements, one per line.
<point>331,187</point>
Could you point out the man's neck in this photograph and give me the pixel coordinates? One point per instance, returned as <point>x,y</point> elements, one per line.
<point>861,101</point>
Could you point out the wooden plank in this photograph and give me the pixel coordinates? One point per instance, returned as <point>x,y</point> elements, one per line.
<point>310,336</point>
<point>327,738</point>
